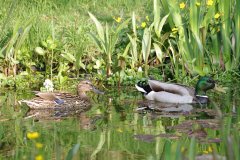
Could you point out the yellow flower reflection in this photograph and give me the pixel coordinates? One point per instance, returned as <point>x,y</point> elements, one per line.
<point>210,2</point>
<point>39,157</point>
<point>205,152</point>
<point>143,25</point>
<point>210,149</point>
<point>217,15</point>
<point>182,5</point>
<point>39,145</point>
<point>32,135</point>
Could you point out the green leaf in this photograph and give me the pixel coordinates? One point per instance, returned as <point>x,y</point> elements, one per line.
<point>2,76</point>
<point>39,50</point>
<point>53,46</point>
<point>237,34</point>
<point>146,44</point>
<point>159,52</point>
<point>44,44</point>
<point>123,25</point>
<point>199,43</point>
<point>98,26</point>
<point>158,25</point>
<point>22,37</point>
<point>162,22</point>
<point>97,65</point>
<point>126,51</point>
<point>69,57</point>
<point>194,17</point>
<point>134,24</point>
<point>133,41</point>
<point>192,149</point>
<point>49,41</point>
<point>1,54</point>
<point>96,40</point>
<point>82,65</point>
<point>13,61</point>
<point>73,151</point>
<point>156,12</point>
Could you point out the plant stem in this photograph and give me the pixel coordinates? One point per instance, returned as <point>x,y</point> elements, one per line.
<point>51,64</point>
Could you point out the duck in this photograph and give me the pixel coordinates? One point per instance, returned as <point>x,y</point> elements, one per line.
<point>176,93</point>
<point>54,100</point>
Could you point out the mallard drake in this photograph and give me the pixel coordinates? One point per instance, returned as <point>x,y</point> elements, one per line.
<point>48,100</point>
<point>176,93</point>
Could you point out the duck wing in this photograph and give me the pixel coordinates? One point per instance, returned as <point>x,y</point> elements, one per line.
<point>191,90</point>
<point>158,86</point>
<point>47,96</point>
<point>58,97</point>
<point>51,96</point>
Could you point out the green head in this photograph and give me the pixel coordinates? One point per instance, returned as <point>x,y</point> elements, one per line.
<point>204,84</point>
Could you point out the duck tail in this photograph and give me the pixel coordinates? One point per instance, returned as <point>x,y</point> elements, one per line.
<point>143,87</point>
<point>140,89</point>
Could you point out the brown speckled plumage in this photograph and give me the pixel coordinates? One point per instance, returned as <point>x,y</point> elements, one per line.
<point>47,100</point>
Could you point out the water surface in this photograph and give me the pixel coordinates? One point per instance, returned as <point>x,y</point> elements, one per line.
<point>119,125</point>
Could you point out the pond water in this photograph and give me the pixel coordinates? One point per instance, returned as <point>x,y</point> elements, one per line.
<point>119,125</point>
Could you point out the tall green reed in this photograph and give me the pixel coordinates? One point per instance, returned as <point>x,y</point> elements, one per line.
<point>146,48</point>
<point>9,52</point>
<point>135,58</point>
<point>236,33</point>
<point>197,22</point>
<point>106,40</point>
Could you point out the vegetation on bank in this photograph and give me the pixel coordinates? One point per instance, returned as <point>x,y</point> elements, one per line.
<point>116,42</point>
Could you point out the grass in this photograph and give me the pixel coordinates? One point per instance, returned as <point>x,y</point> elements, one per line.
<point>68,24</point>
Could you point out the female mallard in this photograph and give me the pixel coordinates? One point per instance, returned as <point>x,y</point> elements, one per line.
<point>176,93</point>
<point>48,100</point>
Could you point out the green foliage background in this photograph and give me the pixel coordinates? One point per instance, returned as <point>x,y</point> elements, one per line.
<point>57,39</point>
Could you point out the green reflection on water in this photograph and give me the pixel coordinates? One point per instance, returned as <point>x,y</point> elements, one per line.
<point>113,128</point>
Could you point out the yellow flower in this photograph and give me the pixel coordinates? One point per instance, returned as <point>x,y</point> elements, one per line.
<point>32,135</point>
<point>205,152</point>
<point>198,3</point>
<point>210,149</point>
<point>210,2</point>
<point>147,18</point>
<point>39,145</point>
<point>175,30</point>
<point>39,157</point>
<point>182,5</point>
<point>118,19</point>
<point>143,25</point>
<point>217,15</point>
